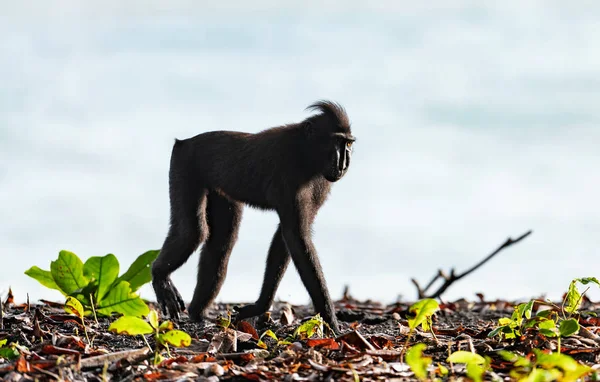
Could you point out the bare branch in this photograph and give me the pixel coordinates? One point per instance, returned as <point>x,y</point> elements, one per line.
<point>450,279</point>
<point>419,290</point>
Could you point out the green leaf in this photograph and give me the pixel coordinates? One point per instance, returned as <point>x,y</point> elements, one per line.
<point>588,280</point>
<point>475,371</point>
<point>496,331</point>
<point>548,333</point>
<point>572,370</point>
<point>3,342</point>
<point>568,327</point>
<point>158,358</point>
<point>508,356</point>
<point>153,319</point>
<point>546,313</point>
<point>417,362</point>
<point>104,270</point>
<point>73,306</point>
<point>10,353</point>
<point>525,309</point>
<point>311,327</point>
<point>43,277</point>
<point>140,272</point>
<point>131,326</point>
<point>423,311</point>
<point>224,321</point>
<point>269,333</point>
<point>547,328</point>
<point>165,326</point>
<point>505,321</point>
<point>176,338</point>
<point>120,299</point>
<point>443,370</point>
<point>573,298</point>
<point>67,272</point>
<point>462,356</point>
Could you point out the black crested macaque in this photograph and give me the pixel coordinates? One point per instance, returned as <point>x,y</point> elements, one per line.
<point>288,169</point>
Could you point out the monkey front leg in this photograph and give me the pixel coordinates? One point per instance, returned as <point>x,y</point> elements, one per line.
<point>305,259</point>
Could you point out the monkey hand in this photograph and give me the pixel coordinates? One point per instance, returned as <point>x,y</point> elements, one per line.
<point>168,298</point>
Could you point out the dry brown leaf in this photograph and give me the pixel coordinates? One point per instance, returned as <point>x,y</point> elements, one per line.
<point>325,343</point>
<point>246,327</point>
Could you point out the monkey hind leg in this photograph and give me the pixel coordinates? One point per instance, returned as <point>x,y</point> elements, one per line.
<point>187,230</point>
<point>223,217</point>
<point>277,263</point>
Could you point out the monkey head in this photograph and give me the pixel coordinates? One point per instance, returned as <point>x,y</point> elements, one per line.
<point>338,157</point>
<point>331,131</point>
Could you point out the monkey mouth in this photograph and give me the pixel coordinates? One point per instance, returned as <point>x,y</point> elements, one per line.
<point>335,176</point>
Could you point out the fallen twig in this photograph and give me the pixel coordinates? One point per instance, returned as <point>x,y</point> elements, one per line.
<point>99,360</point>
<point>450,279</point>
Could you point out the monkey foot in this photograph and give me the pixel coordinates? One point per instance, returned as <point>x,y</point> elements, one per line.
<point>168,298</point>
<point>248,311</point>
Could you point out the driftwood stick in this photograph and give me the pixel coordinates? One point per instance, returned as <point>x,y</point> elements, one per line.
<point>450,279</point>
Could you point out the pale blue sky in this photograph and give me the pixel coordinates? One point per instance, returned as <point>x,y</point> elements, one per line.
<point>476,120</point>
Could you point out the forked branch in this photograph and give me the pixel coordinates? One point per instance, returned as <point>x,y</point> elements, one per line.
<point>450,279</point>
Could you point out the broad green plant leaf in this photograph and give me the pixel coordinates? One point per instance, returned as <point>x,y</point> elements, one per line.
<point>73,306</point>
<point>120,299</point>
<point>131,326</point>
<point>176,338</point>
<point>423,311</point>
<point>568,327</point>
<point>43,277</point>
<point>417,362</point>
<point>140,272</point>
<point>67,272</point>
<point>104,270</point>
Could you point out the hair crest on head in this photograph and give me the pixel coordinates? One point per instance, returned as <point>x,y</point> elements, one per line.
<point>333,110</point>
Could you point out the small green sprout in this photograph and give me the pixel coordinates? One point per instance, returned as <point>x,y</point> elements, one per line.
<point>476,365</point>
<point>9,352</point>
<point>417,361</point>
<point>163,333</point>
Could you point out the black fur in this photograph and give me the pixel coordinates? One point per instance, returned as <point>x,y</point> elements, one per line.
<point>288,169</point>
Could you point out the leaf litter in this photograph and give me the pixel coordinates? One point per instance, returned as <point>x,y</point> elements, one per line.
<point>379,342</point>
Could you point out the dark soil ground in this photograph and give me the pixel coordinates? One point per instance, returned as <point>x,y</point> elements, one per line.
<point>53,346</point>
